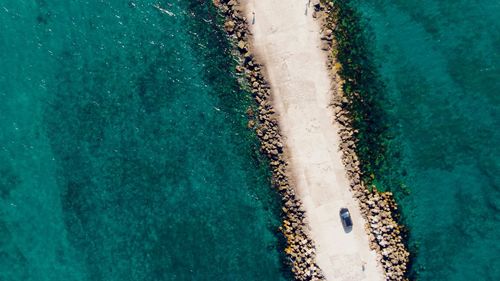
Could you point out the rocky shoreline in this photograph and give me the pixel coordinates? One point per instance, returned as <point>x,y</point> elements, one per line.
<point>300,250</point>
<point>379,208</point>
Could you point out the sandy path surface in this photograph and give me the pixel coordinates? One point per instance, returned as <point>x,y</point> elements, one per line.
<point>287,42</point>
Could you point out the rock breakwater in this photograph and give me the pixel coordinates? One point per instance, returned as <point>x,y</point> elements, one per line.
<point>300,250</point>
<point>379,208</point>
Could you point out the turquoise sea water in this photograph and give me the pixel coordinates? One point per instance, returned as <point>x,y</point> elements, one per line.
<point>124,153</point>
<point>439,62</point>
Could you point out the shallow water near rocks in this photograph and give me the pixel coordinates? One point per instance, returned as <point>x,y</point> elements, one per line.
<point>124,153</point>
<point>440,63</point>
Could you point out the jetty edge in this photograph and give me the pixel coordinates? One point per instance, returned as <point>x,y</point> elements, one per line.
<point>300,249</point>
<point>378,208</point>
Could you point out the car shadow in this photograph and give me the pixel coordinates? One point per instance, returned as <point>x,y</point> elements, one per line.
<point>345,219</point>
<point>347,229</point>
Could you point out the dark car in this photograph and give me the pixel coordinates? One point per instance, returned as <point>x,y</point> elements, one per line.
<point>346,218</point>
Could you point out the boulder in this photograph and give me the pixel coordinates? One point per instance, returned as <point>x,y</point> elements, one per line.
<point>229,26</point>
